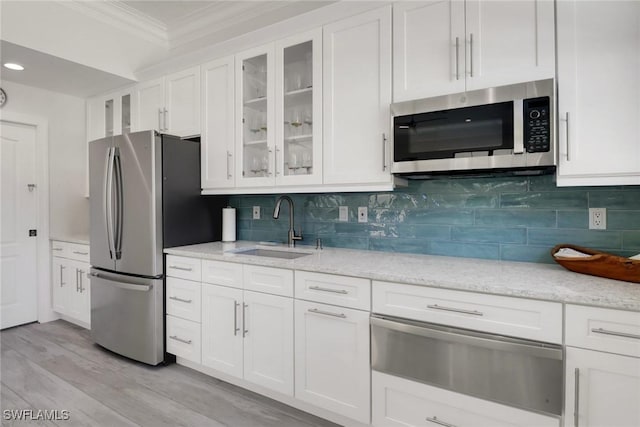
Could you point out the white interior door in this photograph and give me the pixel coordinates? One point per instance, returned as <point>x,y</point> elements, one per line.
<point>18,290</point>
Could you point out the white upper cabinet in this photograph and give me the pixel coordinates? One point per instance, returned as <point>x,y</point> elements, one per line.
<point>109,115</point>
<point>170,104</point>
<point>598,93</point>
<point>444,47</point>
<point>218,141</point>
<point>357,97</point>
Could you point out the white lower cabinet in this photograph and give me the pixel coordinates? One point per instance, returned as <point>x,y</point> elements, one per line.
<point>602,389</point>
<point>332,358</point>
<point>183,338</point>
<point>71,285</point>
<point>248,335</point>
<point>401,402</point>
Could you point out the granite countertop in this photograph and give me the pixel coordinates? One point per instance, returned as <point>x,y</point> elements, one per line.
<point>82,239</point>
<point>549,282</point>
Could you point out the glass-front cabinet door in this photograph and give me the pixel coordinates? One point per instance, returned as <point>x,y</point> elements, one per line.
<point>255,131</point>
<point>298,109</point>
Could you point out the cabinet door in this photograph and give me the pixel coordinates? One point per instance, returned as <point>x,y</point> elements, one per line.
<point>509,42</point>
<point>79,292</point>
<point>218,124</point>
<point>428,49</point>
<point>357,94</point>
<point>149,106</point>
<point>182,103</point>
<point>598,93</point>
<point>222,329</point>
<point>299,109</point>
<point>268,341</point>
<point>255,119</point>
<point>607,387</point>
<point>332,358</point>
<point>63,282</point>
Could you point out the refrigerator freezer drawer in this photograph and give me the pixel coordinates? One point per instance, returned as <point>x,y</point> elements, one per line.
<point>126,315</point>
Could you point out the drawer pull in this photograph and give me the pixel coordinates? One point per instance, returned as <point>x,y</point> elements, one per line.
<point>56,249</point>
<point>328,313</point>
<point>615,334</point>
<point>175,267</point>
<point>335,291</point>
<point>456,310</point>
<point>188,301</point>
<point>177,338</point>
<point>435,420</point>
<point>80,253</point>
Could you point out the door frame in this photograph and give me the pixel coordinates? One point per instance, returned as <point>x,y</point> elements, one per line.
<point>43,254</point>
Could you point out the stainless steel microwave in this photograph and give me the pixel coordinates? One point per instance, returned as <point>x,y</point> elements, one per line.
<point>506,128</point>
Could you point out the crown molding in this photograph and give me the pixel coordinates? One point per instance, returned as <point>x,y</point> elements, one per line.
<point>123,18</point>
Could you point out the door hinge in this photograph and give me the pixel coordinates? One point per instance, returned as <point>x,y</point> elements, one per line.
<point>33,233</point>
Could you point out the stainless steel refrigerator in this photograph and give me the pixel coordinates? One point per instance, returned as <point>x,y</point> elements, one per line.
<point>145,196</point>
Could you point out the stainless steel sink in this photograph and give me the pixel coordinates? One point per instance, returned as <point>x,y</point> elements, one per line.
<point>272,253</point>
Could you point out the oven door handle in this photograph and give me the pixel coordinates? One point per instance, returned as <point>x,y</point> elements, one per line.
<point>478,339</point>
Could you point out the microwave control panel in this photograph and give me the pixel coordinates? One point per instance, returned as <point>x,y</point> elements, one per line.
<point>537,125</point>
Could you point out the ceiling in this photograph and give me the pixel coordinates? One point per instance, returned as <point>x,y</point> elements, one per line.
<point>179,26</point>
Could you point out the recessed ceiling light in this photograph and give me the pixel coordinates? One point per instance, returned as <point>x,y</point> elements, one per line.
<point>13,66</point>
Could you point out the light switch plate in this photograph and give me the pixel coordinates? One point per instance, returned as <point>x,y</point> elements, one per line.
<point>362,214</point>
<point>597,218</point>
<point>256,212</point>
<point>343,213</point>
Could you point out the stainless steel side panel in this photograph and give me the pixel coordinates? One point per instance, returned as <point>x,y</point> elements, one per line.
<point>98,165</point>
<point>515,372</point>
<point>126,315</point>
<point>141,245</point>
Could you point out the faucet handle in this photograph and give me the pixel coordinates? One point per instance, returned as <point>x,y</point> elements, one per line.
<point>318,243</point>
<point>299,236</point>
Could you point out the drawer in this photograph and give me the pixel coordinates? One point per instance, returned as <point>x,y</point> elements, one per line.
<point>277,281</point>
<point>222,273</point>
<point>400,402</point>
<point>517,317</point>
<point>346,291</point>
<point>613,331</point>
<point>61,249</point>
<point>78,252</point>
<point>183,299</point>
<point>184,267</point>
<point>183,338</point>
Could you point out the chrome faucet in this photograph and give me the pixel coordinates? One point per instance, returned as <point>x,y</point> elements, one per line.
<point>291,240</point>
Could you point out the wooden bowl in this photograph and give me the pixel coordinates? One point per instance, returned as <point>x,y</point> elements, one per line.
<point>599,264</point>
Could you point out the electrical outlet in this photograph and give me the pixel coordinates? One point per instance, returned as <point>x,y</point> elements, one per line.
<point>256,212</point>
<point>362,214</point>
<point>597,218</point>
<point>343,213</point>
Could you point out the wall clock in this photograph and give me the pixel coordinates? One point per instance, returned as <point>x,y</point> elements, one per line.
<point>3,97</point>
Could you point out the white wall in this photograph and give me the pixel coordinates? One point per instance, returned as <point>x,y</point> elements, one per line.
<point>68,208</point>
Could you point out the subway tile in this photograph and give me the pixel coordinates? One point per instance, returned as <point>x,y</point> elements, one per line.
<point>596,239</point>
<point>416,246</point>
<point>397,200</point>
<point>244,213</point>
<point>424,231</point>
<point>515,217</point>
<point>471,185</point>
<point>245,201</point>
<point>324,214</point>
<point>439,216</point>
<point>526,253</point>
<point>489,234</point>
<point>548,183</point>
<point>334,200</point>
<point>573,219</point>
<point>387,216</point>
<point>548,200</point>
<point>623,199</point>
<point>623,220</point>
<point>339,241</point>
<point>470,250</point>
<point>631,240</point>
<point>463,201</point>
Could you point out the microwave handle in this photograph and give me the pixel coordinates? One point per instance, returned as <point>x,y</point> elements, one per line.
<point>518,127</point>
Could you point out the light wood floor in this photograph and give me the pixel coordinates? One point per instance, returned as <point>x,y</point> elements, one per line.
<point>56,366</point>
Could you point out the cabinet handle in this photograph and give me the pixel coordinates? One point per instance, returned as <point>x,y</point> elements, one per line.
<point>166,113</point>
<point>228,168</point>
<point>160,119</point>
<point>80,253</point>
<point>62,267</point>
<point>175,267</point>
<point>335,291</point>
<point>435,420</point>
<point>566,120</point>
<point>77,281</point>
<point>188,301</point>
<point>615,334</point>
<point>327,313</point>
<point>384,152</point>
<point>456,310</point>
<point>245,331</point>
<point>269,164</point>
<point>81,273</point>
<point>457,58</point>
<point>471,52</point>
<point>276,160</point>
<point>182,340</point>
<point>235,318</point>
<point>576,404</point>
<point>56,249</point>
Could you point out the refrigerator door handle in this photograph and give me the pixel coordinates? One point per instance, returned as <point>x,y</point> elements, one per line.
<point>119,205</point>
<point>108,202</point>
<point>122,285</point>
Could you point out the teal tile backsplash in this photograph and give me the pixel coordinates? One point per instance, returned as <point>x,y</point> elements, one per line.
<point>508,218</point>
